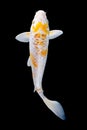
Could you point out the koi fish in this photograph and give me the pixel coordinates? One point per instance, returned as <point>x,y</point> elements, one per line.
<point>38,39</point>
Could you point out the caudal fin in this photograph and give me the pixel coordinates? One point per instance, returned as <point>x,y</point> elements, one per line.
<point>54,106</point>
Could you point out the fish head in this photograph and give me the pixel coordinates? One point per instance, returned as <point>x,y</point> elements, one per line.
<point>40,23</point>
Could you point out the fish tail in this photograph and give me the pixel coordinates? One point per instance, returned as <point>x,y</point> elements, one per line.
<point>54,106</point>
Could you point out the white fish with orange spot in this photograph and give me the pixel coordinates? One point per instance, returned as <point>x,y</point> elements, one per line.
<point>38,39</point>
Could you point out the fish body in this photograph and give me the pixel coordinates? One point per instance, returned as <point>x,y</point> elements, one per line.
<point>39,42</point>
<point>38,39</point>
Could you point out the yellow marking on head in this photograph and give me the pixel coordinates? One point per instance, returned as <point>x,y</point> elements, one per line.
<point>27,33</point>
<point>33,60</point>
<point>44,28</point>
<point>40,25</point>
<point>44,52</point>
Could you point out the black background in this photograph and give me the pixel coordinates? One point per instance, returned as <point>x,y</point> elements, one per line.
<point>22,107</point>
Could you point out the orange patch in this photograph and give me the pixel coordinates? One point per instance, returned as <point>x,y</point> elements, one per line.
<point>43,36</point>
<point>33,60</point>
<point>43,52</point>
<point>41,43</point>
<point>37,35</point>
<point>36,41</point>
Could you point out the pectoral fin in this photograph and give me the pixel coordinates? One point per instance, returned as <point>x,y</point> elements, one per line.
<point>23,37</point>
<point>55,33</point>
